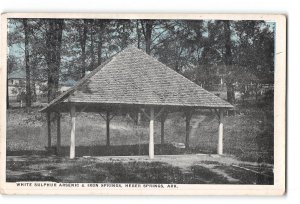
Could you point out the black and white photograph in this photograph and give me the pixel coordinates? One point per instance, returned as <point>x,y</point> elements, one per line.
<point>151,103</point>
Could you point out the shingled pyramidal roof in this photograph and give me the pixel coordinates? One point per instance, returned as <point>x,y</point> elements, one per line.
<point>134,77</point>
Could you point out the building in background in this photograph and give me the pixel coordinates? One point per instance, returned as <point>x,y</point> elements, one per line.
<point>16,88</point>
<point>16,85</point>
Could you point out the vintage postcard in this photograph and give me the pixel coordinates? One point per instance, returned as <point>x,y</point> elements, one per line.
<point>143,104</point>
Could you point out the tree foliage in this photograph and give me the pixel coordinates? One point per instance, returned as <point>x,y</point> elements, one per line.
<point>207,52</point>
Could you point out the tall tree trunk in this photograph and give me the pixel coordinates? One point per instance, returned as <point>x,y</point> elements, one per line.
<point>205,65</point>
<point>92,48</point>
<point>27,67</point>
<point>100,30</point>
<point>204,61</point>
<point>228,62</point>
<point>148,37</point>
<point>33,67</point>
<point>83,37</point>
<point>123,37</point>
<point>33,87</point>
<point>177,62</point>
<point>53,43</point>
<point>99,50</point>
<point>147,27</point>
<point>138,34</point>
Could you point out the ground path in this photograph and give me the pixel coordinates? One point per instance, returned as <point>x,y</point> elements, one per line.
<point>198,168</point>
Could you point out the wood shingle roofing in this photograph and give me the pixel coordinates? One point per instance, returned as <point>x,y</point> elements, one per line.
<point>134,77</point>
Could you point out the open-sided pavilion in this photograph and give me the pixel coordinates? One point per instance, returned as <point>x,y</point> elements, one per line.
<point>132,81</point>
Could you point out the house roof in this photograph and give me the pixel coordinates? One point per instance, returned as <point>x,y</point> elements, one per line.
<point>133,77</point>
<point>17,74</point>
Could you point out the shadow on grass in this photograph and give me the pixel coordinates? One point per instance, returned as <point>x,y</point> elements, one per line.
<point>121,150</point>
<point>28,153</point>
<point>132,172</point>
<point>30,177</point>
<point>249,177</point>
<point>86,171</point>
<point>91,172</point>
<point>205,175</point>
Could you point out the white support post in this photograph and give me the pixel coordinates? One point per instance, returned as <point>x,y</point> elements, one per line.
<point>188,116</point>
<point>107,129</point>
<point>49,129</point>
<point>72,144</point>
<point>162,130</point>
<point>151,135</point>
<point>220,141</point>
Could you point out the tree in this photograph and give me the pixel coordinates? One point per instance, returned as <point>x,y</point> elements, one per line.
<point>26,40</point>
<point>100,27</point>
<point>138,33</point>
<point>27,66</point>
<point>53,55</point>
<point>254,53</point>
<point>82,30</point>
<point>92,39</point>
<point>147,27</point>
<point>196,49</point>
<point>203,47</point>
<point>124,29</point>
<point>172,44</point>
<point>229,62</point>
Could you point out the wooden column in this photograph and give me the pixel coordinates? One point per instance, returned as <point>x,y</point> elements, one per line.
<point>162,127</point>
<point>49,128</point>
<point>188,116</point>
<point>72,142</point>
<point>139,118</point>
<point>58,141</point>
<point>220,140</point>
<point>107,129</point>
<point>151,134</point>
<point>162,131</point>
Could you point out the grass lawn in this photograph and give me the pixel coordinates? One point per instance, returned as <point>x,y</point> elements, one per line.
<point>248,137</point>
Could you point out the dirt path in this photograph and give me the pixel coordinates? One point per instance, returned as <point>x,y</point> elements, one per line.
<point>202,168</point>
<point>181,161</point>
<point>218,165</point>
